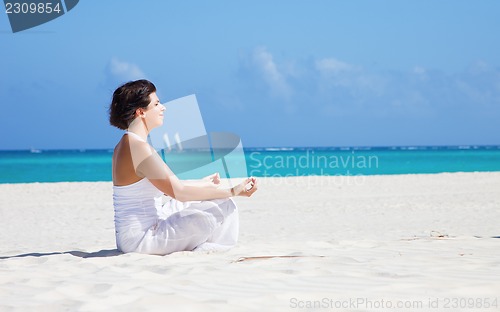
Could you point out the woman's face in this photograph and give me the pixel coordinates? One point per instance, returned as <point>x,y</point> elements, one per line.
<point>154,112</point>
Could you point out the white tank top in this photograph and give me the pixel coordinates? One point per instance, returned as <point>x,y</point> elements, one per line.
<point>136,210</point>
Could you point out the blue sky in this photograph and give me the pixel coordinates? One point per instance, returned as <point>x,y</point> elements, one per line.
<point>277,73</point>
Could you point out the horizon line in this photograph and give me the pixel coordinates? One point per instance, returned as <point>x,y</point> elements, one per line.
<point>413,146</point>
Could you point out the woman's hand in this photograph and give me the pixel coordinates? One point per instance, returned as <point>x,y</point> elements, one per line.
<point>245,188</point>
<point>213,178</point>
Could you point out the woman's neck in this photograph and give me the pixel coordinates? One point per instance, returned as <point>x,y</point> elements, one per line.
<point>138,127</point>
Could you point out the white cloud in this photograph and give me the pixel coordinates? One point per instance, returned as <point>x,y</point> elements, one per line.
<point>335,73</point>
<point>125,71</point>
<point>332,65</point>
<point>337,87</point>
<point>480,67</point>
<point>270,72</point>
<point>419,70</point>
<point>420,73</point>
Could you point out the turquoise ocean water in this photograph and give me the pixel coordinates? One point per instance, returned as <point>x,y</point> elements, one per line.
<point>95,165</point>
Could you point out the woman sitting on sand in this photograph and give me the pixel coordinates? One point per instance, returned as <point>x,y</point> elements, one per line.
<point>196,216</point>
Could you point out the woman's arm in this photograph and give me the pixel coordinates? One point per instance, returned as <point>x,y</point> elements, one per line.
<point>205,190</point>
<point>148,164</point>
<point>213,178</point>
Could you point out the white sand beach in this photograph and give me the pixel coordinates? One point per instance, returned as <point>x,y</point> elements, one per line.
<point>416,242</point>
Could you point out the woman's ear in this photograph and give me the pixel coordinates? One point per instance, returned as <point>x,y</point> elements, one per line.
<point>139,112</point>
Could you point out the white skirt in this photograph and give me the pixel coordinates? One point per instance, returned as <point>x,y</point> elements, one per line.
<point>181,226</point>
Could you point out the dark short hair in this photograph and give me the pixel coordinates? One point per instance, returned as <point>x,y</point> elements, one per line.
<point>127,99</point>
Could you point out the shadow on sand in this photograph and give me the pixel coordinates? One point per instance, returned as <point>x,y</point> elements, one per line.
<point>76,253</point>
